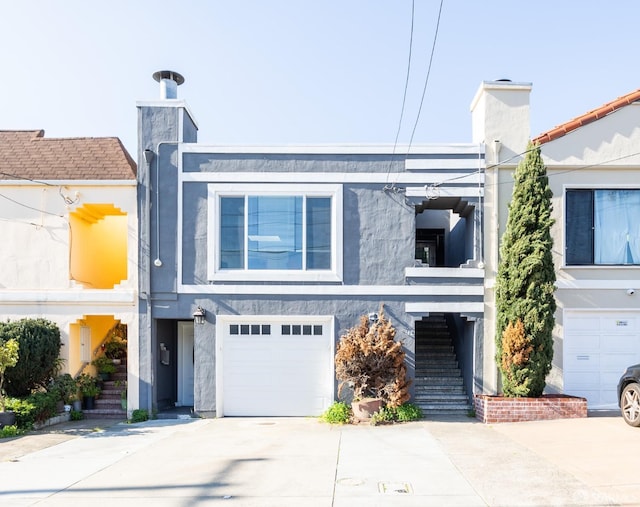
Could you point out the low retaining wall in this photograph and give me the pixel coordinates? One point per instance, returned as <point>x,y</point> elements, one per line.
<point>57,419</point>
<point>497,409</point>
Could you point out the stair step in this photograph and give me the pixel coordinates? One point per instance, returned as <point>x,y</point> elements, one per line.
<point>443,406</point>
<point>438,372</point>
<point>105,413</point>
<point>108,403</point>
<point>442,398</point>
<point>434,360</point>
<point>441,386</point>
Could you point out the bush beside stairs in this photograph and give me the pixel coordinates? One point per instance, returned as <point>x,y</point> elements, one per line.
<point>108,404</point>
<point>438,385</point>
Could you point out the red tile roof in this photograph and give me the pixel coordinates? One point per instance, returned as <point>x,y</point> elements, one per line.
<point>587,118</point>
<point>27,154</point>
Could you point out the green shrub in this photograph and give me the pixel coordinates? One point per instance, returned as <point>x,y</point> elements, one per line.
<point>38,407</point>
<point>338,413</point>
<point>76,415</point>
<point>25,410</point>
<point>408,412</point>
<point>139,415</point>
<point>39,341</point>
<point>383,416</point>
<point>9,431</point>
<point>404,413</point>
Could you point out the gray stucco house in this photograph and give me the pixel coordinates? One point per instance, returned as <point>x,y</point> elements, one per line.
<point>281,249</point>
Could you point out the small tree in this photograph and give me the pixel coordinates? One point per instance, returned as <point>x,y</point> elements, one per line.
<point>8,359</point>
<point>371,362</point>
<point>525,283</point>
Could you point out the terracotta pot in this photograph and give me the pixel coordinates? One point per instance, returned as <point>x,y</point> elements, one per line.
<point>363,409</point>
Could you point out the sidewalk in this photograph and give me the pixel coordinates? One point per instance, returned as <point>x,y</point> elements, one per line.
<point>300,462</point>
<point>14,448</point>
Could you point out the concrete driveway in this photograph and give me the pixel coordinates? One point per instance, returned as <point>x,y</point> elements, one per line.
<point>301,462</point>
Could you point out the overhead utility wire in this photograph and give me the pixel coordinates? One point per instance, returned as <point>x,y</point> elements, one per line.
<point>404,97</point>
<point>27,179</point>
<point>426,81</point>
<point>31,207</point>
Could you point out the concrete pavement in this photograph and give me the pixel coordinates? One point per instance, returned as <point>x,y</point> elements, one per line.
<point>301,462</point>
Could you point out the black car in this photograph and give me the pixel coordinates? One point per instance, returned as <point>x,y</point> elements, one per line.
<point>629,395</point>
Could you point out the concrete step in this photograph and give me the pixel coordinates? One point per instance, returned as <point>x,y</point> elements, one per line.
<point>108,403</point>
<point>444,362</point>
<point>435,354</point>
<point>437,372</point>
<point>424,380</point>
<point>105,413</point>
<point>448,398</point>
<point>442,388</point>
<point>429,406</point>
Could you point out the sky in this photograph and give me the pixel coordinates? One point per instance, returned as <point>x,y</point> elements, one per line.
<point>286,72</point>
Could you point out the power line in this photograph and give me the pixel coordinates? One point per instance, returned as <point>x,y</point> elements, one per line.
<point>31,207</point>
<point>404,97</point>
<point>27,179</point>
<point>406,82</point>
<point>426,81</point>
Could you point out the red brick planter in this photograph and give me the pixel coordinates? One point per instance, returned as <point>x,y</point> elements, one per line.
<point>497,409</point>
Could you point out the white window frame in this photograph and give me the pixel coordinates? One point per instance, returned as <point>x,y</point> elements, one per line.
<point>563,237</point>
<point>218,190</point>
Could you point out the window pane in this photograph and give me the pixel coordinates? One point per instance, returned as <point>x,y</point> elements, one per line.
<point>318,233</point>
<point>232,233</point>
<point>275,232</point>
<point>617,226</point>
<point>579,227</point>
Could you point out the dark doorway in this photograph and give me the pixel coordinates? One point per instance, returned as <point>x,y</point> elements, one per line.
<point>430,247</point>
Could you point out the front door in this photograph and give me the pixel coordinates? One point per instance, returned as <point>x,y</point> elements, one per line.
<point>185,364</point>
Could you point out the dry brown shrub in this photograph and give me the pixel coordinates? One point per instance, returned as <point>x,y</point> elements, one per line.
<point>371,362</point>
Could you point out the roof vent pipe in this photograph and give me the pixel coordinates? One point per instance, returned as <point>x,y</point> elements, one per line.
<point>169,82</point>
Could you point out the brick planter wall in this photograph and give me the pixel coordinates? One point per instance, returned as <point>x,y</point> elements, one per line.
<point>497,409</point>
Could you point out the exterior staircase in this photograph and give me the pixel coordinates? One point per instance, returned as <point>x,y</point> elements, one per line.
<point>438,384</point>
<point>108,405</point>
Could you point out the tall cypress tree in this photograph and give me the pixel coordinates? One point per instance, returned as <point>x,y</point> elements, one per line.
<point>526,282</point>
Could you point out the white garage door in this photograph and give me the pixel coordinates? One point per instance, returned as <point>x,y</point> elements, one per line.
<point>276,367</point>
<point>598,346</point>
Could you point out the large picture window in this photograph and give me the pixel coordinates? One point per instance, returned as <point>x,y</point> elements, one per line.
<point>602,227</point>
<point>265,234</point>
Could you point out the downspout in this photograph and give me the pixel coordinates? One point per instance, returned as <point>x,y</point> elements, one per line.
<point>146,295</point>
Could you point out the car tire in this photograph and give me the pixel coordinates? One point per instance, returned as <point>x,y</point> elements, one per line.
<point>630,404</point>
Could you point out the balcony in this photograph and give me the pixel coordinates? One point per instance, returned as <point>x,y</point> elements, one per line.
<point>455,290</point>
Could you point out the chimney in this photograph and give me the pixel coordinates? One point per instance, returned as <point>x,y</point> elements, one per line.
<point>169,82</point>
<point>500,118</point>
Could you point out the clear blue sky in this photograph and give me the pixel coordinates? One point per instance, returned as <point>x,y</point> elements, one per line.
<point>303,71</point>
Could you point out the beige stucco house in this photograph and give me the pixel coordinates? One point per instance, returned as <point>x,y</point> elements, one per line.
<point>593,164</point>
<point>68,223</point>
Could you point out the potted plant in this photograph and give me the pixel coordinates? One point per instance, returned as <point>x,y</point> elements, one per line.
<point>66,388</point>
<point>371,363</point>
<point>104,366</point>
<point>116,350</point>
<point>123,393</point>
<point>8,359</point>
<point>89,389</point>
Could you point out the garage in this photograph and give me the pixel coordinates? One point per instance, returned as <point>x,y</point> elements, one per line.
<point>597,348</point>
<point>275,366</point>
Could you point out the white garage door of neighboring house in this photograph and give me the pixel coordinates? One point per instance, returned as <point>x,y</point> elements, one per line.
<point>275,366</point>
<point>597,348</point>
